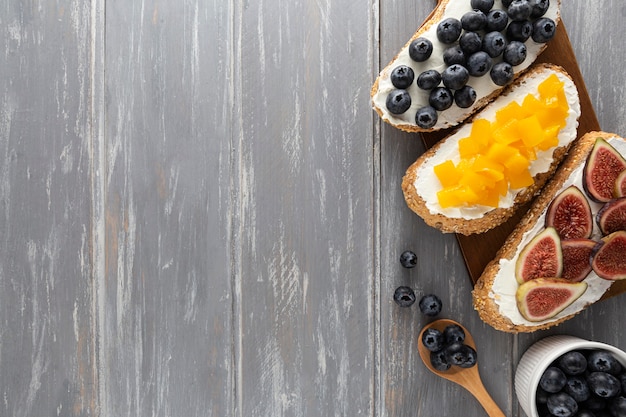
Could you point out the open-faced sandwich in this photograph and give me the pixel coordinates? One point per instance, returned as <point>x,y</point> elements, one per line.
<point>459,60</point>
<point>569,247</point>
<point>477,177</point>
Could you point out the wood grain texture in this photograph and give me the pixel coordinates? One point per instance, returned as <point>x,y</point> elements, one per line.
<point>200,213</point>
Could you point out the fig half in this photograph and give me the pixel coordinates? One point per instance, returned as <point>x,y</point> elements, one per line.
<point>541,257</point>
<point>543,298</point>
<point>612,216</point>
<point>604,164</point>
<point>620,185</point>
<point>577,258</point>
<point>570,214</point>
<point>609,257</point>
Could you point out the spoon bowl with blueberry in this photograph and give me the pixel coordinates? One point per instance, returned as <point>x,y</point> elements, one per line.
<point>448,350</point>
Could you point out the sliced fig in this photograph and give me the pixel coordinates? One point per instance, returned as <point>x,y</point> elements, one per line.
<point>541,257</point>
<point>609,256</point>
<point>570,214</point>
<point>543,298</point>
<point>576,258</point>
<point>620,185</point>
<point>604,164</point>
<point>612,216</point>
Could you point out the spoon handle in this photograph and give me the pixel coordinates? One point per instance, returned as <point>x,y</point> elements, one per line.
<point>480,392</point>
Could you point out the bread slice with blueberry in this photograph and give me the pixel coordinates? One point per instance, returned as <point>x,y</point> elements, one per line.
<point>460,59</point>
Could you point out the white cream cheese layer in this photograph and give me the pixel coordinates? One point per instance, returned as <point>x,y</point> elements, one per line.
<point>505,285</point>
<point>427,184</point>
<point>419,98</point>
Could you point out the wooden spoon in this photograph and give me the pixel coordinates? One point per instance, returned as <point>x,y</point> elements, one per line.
<point>468,378</point>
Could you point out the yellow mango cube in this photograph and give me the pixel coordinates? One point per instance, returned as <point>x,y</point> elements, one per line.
<point>447,173</point>
<point>531,131</point>
<point>520,179</point>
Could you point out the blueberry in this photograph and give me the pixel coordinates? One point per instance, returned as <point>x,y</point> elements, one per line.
<point>408,259</point>
<point>519,30</point>
<point>506,3</point>
<point>594,403</point>
<point>622,378</point>
<point>402,76</point>
<point>544,29</point>
<point>519,10</point>
<point>440,98</point>
<point>471,357</point>
<point>426,117</point>
<point>617,406</point>
<point>539,8</point>
<point>573,363</point>
<point>552,380</point>
<point>603,361</point>
<point>465,97</point>
<point>428,79</point>
<point>515,53</point>
<point>562,405</point>
<point>398,101</point>
<point>432,339</point>
<point>420,49</point>
<point>494,43</point>
<point>502,73</point>
<point>604,385</point>
<point>577,387</point>
<point>453,333</point>
<point>479,64</point>
<point>404,296</point>
<point>454,55</point>
<point>449,30</point>
<point>430,305</point>
<point>482,5</point>
<point>542,396</point>
<point>470,42</point>
<point>473,20</point>
<point>455,77</point>
<point>460,354</point>
<point>438,361</point>
<point>497,20</point>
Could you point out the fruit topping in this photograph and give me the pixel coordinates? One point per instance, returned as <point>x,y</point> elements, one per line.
<point>494,44</point>
<point>612,216</point>
<point>482,5</point>
<point>449,30</point>
<point>470,43</point>
<point>426,117</point>
<point>515,53</point>
<point>430,305</point>
<point>620,185</point>
<point>465,96</point>
<point>539,8</point>
<point>454,55</point>
<point>576,258</point>
<point>420,49</point>
<point>474,20</point>
<point>497,20</point>
<point>398,101</point>
<point>570,214</point>
<point>404,296</point>
<point>455,77</point>
<point>544,29</point>
<point>519,10</point>
<point>519,30</point>
<point>429,79</point>
<point>604,164</point>
<point>541,257</point>
<point>408,259</point>
<point>402,76</point>
<point>608,260</point>
<point>440,98</point>
<point>543,298</point>
<point>479,63</point>
<point>502,73</point>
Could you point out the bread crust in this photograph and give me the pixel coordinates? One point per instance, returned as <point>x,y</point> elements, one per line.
<point>434,18</point>
<point>497,216</point>
<point>483,302</point>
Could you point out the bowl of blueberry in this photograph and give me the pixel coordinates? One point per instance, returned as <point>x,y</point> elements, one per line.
<point>567,376</point>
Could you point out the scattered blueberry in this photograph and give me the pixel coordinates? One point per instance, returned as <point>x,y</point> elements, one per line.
<point>440,98</point>
<point>449,30</point>
<point>544,29</point>
<point>515,53</point>
<point>562,405</point>
<point>482,5</point>
<point>404,296</point>
<point>438,361</point>
<point>455,77</point>
<point>470,42</point>
<point>426,117</point>
<point>502,73</point>
<point>552,380</point>
<point>474,20</point>
<point>497,20</point>
<point>408,259</point>
<point>479,64</point>
<point>519,30</point>
<point>573,363</point>
<point>428,79</point>
<point>454,55</point>
<point>420,49</point>
<point>519,10</point>
<point>603,385</point>
<point>433,339</point>
<point>577,387</point>
<point>398,101</point>
<point>494,43</point>
<point>430,305</point>
<point>453,333</point>
<point>539,8</point>
<point>603,361</point>
<point>465,97</point>
<point>402,76</point>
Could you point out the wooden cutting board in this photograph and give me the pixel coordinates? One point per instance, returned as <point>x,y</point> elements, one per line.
<point>478,250</point>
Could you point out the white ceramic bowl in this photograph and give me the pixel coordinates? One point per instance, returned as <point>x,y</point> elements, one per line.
<point>540,355</point>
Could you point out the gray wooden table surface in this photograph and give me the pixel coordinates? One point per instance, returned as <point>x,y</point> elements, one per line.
<point>200,214</point>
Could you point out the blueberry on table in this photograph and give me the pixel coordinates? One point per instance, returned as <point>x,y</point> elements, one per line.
<point>426,117</point>
<point>440,98</point>
<point>544,29</point>
<point>465,97</point>
<point>408,259</point>
<point>479,64</point>
<point>449,30</point>
<point>474,20</point>
<point>482,5</point>
<point>494,43</point>
<point>428,79</point>
<point>404,296</point>
<point>430,305</point>
<point>455,77</point>
<point>420,49</point>
<point>497,20</point>
<point>502,73</point>
<point>562,405</point>
<point>519,30</point>
<point>402,76</point>
<point>552,380</point>
<point>432,339</point>
<point>515,53</point>
<point>398,101</point>
<point>519,10</point>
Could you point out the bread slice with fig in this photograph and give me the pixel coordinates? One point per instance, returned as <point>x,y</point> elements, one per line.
<point>477,177</point>
<point>459,59</point>
<point>536,279</point>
